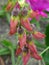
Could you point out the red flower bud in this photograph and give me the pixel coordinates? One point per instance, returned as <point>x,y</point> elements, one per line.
<point>36,56</point>
<point>26,24</point>
<point>38,35</point>
<point>13,24</point>
<point>9,6</point>
<point>26,57</point>
<point>33,51</point>
<point>22,40</point>
<point>32,47</point>
<point>18,51</point>
<point>34,14</point>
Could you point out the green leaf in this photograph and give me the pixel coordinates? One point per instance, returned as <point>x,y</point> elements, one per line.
<point>4,51</point>
<point>46,57</point>
<point>47,35</point>
<point>38,44</point>
<point>33,20</point>
<point>7,44</point>
<point>2,12</point>
<point>13,56</point>
<point>47,63</point>
<point>8,17</point>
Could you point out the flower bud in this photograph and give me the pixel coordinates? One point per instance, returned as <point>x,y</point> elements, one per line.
<point>29,38</point>
<point>20,30</point>
<point>26,24</point>
<point>36,56</point>
<point>22,40</point>
<point>9,6</point>
<point>38,35</point>
<point>15,12</point>
<point>24,11</point>
<point>13,26</point>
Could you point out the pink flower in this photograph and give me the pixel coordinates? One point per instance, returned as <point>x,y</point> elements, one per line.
<point>26,24</point>
<point>13,26</point>
<point>26,57</point>
<point>38,35</point>
<point>22,39</point>
<point>18,51</point>
<point>9,6</point>
<point>39,5</point>
<point>36,56</point>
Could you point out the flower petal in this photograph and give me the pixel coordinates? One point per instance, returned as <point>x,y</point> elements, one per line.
<point>34,14</point>
<point>36,56</point>
<point>26,57</point>
<point>26,24</point>
<point>13,24</point>
<point>22,40</point>
<point>38,35</point>
<point>9,6</point>
<point>32,47</point>
<point>18,51</point>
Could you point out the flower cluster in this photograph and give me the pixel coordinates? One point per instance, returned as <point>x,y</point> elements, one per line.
<point>21,14</point>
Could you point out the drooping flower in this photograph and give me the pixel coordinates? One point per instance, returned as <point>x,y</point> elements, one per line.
<point>36,56</point>
<point>13,25</point>
<point>32,48</point>
<point>21,24</point>
<point>19,50</point>
<point>21,37</point>
<point>26,24</point>
<point>33,51</point>
<point>9,6</point>
<point>26,57</point>
<point>38,35</point>
<point>28,50</point>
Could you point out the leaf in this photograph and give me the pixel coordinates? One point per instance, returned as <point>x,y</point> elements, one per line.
<point>7,44</point>
<point>4,51</point>
<point>33,20</point>
<point>47,35</point>
<point>47,64</point>
<point>8,17</point>
<point>2,12</point>
<point>46,57</point>
<point>38,44</point>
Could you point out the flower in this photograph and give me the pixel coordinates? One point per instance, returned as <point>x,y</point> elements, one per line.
<point>19,50</point>
<point>38,35</point>
<point>13,25</point>
<point>39,4</point>
<point>26,57</point>
<point>26,24</point>
<point>20,23</point>
<point>28,50</point>
<point>9,6</point>
<point>22,39</point>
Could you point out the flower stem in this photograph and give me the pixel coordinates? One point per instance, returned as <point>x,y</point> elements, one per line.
<point>12,57</point>
<point>18,60</point>
<point>44,51</point>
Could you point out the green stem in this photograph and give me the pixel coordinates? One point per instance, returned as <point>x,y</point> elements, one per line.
<point>12,57</point>
<point>44,51</point>
<point>18,60</point>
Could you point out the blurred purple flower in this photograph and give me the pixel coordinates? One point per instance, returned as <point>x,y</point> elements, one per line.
<point>39,5</point>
